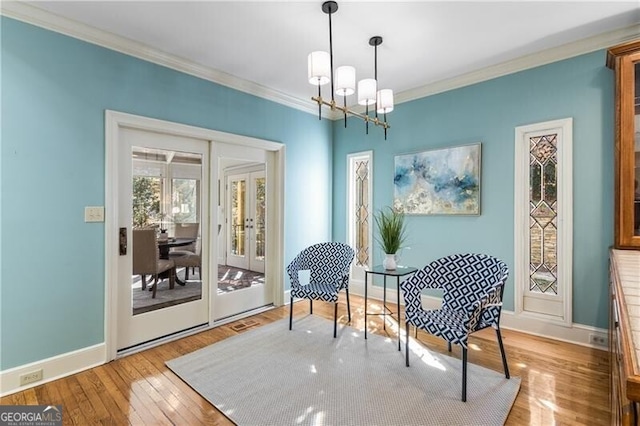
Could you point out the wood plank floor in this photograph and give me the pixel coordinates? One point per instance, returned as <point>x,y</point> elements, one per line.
<point>561,383</point>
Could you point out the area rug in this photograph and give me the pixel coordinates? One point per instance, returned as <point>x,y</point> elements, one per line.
<point>272,376</point>
<point>231,278</point>
<point>165,297</point>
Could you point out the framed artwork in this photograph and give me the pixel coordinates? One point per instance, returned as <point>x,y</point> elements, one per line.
<point>438,181</point>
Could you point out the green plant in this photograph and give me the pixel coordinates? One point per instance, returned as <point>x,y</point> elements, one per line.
<point>146,200</point>
<point>392,231</point>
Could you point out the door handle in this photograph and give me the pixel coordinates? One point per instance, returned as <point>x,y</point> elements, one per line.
<point>123,241</point>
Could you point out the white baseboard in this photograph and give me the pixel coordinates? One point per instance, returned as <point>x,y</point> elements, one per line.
<point>53,368</point>
<point>578,334</point>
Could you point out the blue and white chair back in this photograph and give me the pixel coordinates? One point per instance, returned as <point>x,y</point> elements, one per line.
<point>472,286</point>
<point>328,265</point>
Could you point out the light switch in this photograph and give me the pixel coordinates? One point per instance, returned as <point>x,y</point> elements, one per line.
<point>94,214</point>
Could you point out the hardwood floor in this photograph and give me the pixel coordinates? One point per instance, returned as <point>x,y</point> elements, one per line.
<point>561,383</point>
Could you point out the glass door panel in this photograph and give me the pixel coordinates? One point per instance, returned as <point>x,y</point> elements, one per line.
<point>246,221</point>
<point>162,192</point>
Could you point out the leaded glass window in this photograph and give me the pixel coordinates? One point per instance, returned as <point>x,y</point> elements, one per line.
<point>543,214</point>
<point>361,208</point>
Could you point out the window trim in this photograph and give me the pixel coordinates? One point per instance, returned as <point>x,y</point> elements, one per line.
<point>523,298</point>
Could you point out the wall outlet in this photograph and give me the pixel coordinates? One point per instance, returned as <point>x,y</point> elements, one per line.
<point>30,377</point>
<point>94,214</point>
<point>598,339</point>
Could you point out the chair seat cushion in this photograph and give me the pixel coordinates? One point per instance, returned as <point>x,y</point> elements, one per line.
<point>164,264</point>
<point>446,323</point>
<point>174,253</point>
<point>316,291</point>
<point>187,259</point>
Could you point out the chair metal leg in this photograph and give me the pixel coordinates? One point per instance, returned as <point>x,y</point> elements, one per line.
<point>348,304</point>
<point>464,374</point>
<point>335,319</point>
<point>291,313</point>
<point>502,352</point>
<point>186,273</point>
<point>311,306</point>
<point>449,346</point>
<point>406,344</point>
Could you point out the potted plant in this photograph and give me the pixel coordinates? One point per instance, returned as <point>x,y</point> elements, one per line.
<point>391,234</point>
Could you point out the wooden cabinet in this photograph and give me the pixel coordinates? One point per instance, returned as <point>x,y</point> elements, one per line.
<point>625,61</point>
<point>624,337</point>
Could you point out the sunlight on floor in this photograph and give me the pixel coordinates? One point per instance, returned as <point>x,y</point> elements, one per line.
<point>542,404</point>
<point>415,347</point>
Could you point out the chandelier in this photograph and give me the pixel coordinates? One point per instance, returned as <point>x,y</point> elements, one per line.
<point>343,83</point>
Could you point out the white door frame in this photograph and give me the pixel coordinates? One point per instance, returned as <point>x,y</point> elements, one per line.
<point>113,122</point>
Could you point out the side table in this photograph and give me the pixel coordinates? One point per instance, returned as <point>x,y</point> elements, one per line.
<point>400,271</point>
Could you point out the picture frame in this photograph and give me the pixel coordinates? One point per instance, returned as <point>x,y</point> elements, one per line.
<point>442,181</point>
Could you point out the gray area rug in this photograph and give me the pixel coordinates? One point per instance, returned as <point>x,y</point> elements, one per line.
<point>165,297</point>
<point>272,376</point>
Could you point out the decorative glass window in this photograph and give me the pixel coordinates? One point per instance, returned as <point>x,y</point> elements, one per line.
<point>361,208</point>
<point>543,221</point>
<point>359,215</point>
<point>543,232</point>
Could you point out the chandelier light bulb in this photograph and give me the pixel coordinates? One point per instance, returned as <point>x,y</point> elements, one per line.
<point>385,101</point>
<point>367,91</point>
<point>345,81</point>
<point>319,68</point>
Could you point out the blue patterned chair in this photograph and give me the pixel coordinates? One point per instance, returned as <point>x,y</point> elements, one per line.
<point>328,265</point>
<point>472,287</point>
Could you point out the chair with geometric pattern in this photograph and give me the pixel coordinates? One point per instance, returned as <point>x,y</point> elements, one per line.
<point>472,286</point>
<point>328,265</point>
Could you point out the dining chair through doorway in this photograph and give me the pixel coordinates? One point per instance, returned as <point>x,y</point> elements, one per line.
<point>146,259</point>
<point>187,256</point>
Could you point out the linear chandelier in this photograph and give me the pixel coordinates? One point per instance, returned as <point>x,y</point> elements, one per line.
<point>343,83</point>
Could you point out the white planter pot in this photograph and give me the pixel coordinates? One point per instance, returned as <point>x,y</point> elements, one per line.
<point>389,262</point>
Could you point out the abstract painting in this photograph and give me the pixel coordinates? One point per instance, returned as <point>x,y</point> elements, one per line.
<point>439,181</point>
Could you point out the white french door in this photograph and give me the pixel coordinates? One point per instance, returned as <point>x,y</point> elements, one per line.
<point>246,201</point>
<point>162,179</point>
<point>245,210</point>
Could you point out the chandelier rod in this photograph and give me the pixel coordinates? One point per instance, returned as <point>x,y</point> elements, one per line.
<point>330,9</point>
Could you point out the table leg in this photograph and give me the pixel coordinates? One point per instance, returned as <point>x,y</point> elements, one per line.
<point>398,310</point>
<point>178,280</point>
<point>366,275</point>
<point>384,304</point>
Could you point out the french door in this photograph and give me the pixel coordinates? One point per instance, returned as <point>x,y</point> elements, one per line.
<point>246,201</point>
<point>163,182</point>
<point>245,210</point>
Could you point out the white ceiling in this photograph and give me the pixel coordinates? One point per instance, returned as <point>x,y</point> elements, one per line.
<point>267,42</point>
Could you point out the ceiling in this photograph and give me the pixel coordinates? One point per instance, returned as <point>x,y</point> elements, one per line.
<point>267,42</point>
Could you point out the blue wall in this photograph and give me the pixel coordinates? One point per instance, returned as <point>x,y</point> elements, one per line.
<point>55,90</point>
<point>488,112</point>
<point>54,93</point>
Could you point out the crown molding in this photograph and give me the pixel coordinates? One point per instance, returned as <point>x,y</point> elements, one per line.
<point>47,20</point>
<point>44,19</point>
<point>566,51</point>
